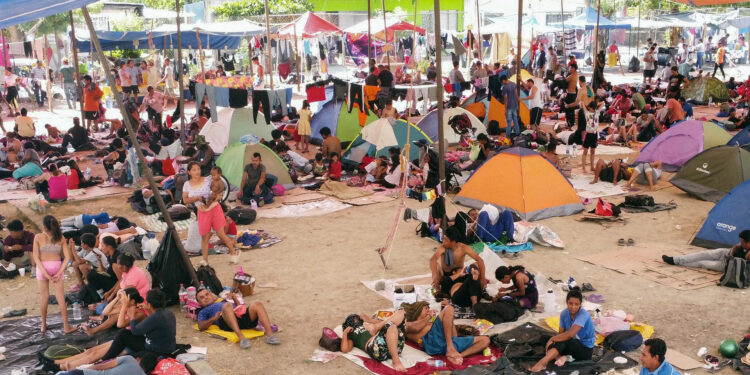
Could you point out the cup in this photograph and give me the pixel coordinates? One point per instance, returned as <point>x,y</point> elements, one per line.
<point>22,271</point>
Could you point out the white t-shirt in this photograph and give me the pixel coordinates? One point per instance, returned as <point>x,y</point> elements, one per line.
<point>649,65</point>
<point>38,73</point>
<point>394,177</point>
<point>90,256</point>
<point>11,80</point>
<point>551,61</point>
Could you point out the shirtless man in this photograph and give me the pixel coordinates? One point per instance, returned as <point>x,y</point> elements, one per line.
<point>439,336</point>
<point>450,256</point>
<point>381,339</point>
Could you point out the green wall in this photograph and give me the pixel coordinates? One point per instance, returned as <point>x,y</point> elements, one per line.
<point>406,5</point>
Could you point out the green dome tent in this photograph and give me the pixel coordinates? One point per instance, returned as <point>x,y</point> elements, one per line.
<point>234,159</point>
<point>704,88</point>
<point>713,173</point>
<point>232,125</point>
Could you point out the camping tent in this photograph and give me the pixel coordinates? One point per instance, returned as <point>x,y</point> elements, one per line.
<point>495,110</point>
<point>681,142</point>
<point>726,220</point>
<point>740,139</point>
<point>234,159</point>
<point>713,173</point>
<point>343,124</point>
<point>376,30</point>
<point>376,138</point>
<point>309,25</point>
<point>704,88</point>
<point>429,124</point>
<point>232,125</point>
<point>524,181</point>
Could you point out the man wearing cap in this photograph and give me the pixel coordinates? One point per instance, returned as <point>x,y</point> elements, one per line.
<point>68,83</point>
<point>652,358</point>
<point>438,336</point>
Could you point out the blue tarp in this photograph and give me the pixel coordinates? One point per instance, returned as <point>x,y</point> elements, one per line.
<point>587,20</point>
<point>726,220</point>
<point>112,40</point>
<point>21,11</point>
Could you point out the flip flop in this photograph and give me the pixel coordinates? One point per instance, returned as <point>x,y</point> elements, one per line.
<point>621,242</point>
<point>631,242</point>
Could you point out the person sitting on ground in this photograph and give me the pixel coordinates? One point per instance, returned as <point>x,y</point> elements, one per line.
<point>88,258</point>
<point>25,125</point>
<point>389,111</point>
<point>117,155</point>
<point>485,147</point>
<point>77,179</point>
<point>204,155</point>
<point>53,185</point>
<point>17,246</point>
<point>132,275</point>
<point>330,143</point>
<point>392,177</point>
<point>104,285</point>
<point>611,171</point>
<point>52,132</point>
<point>137,364</point>
<point>234,316</point>
<point>464,289</point>
<point>334,170</point>
<point>319,167</point>
<point>31,165</point>
<point>253,185</point>
<point>276,135</point>
<point>12,149</point>
<point>643,129</point>
<point>645,173</point>
<point>155,334</point>
<point>675,113</point>
<point>653,358</point>
<point>282,150</point>
<point>380,339</point>
<point>78,137</point>
<point>686,107</point>
<point>576,335</point>
<point>450,256</point>
<point>428,328</point>
<point>524,286</point>
<point>716,259</point>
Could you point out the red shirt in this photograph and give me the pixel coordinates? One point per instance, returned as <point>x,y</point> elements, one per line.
<point>232,228</point>
<point>73,180</point>
<point>335,171</point>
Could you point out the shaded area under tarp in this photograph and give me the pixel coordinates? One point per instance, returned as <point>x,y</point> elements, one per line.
<point>114,40</point>
<point>22,339</point>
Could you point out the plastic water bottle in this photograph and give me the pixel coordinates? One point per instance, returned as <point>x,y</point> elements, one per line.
<point>202,287</point>
<point>191,292</point>
<point>150,245</point>
<point>182,295</point>
<point>42,203</point>
<point>87,175</point>
<point>435,363</point>
<point>567,150</point>
<point>76,311</point>
<point>575,149</point>
<point>549,301</point>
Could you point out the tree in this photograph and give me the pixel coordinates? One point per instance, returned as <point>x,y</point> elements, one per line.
<point>244,8</point>
<point>162,4</point>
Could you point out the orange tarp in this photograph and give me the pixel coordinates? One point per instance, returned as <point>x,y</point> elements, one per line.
<point>497,112</point>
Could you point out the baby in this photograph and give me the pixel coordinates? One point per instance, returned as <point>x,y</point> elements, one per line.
<point>217,189</point>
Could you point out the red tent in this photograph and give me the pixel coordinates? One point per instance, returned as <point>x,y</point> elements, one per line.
<point>394,24</point>
<point>309,26</point>
<point>708,2</point>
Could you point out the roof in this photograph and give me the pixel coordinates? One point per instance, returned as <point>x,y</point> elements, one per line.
<point>708,2</point>
<point>16,12</point>
<point>376,28</point>
<point>309,25</point>
<point>588,20</point>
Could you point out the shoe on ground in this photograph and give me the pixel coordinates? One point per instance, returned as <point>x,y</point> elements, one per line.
<point>668,260</point>
<point>244,344</point>
<point>272,340</point>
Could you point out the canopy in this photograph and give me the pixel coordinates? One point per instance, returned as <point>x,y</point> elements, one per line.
<point>16,11</point>
<point>113,40</point>
<point>231,28</point>
<point>309,26</point>
<point>587,20</point>
<point>376,28</point>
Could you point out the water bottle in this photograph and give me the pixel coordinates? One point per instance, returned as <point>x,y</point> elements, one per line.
<point>76,311</point>
<point>182,295</point>
<point>191,292</point>
<point>549,301</point>
<point>435,363</point>
<point>575,149</point>
<point>42,203</point>
<point>145,248</point>
<point>87,175</point>
<point>202,287</point>
<point>567,150</point>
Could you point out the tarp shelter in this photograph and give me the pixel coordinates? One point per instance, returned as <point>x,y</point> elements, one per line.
<point>524,181</point>
<point>699,3</point>
<point>343,124</point>
<point>703,89</point>
<point>114,40</point>
<point>713,173</point>
<point>726,220</point>
<point>16,11</point>
<point>234,159</point>
<point>525,76</point>
<point>376,138</point>
<point>740,139</point>
<point>376,28</point>
<point>233,124</point>
<point>167,269</point>
<point>230,28</point>
<point>309,25</point>
<point>681,142</point>
<point>588,20</point>
<point>429,124</point>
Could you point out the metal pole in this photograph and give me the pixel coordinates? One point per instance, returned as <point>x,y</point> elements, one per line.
<point>369,35</point>
<point>385,30</point>
<point>180,83</point>
<point>518,49</point>
<point>562,21</point>
<point>296,58</point>
<point>439,80</point>
<point>131,133</point>
<point>77,76</point>
<point>270,58</point>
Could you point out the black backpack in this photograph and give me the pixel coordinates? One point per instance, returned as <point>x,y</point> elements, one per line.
<point>736,274</point>
<point>242,215</point>
<point>498,312</point>
<point>623,341</point>
<point>207,275</point>
<point>178,212</point>
<point>639,200</point>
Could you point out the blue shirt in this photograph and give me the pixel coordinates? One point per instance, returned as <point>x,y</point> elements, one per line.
<point>510,90</point>
<point>134,71</point>
<point>688,109</point>
<point>209,311</point>
<point>587,335</point>
<point>664,369</point>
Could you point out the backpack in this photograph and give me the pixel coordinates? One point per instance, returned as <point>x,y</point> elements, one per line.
<point>207,275</point>
<point>623,341</point>
<point>736,274</point>
<point>329,340</point>
<point>639,200</point>
<point>498,312</point>
<point>48,357</point>
<point>242,215</point>
<point>133,247</point>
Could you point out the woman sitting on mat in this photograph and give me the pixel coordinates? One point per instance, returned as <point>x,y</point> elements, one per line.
<point>53,185</point>
<point>576,337</point>
<point>524,287</point>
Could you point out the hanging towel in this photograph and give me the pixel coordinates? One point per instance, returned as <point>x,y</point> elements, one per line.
<point>316,94</point>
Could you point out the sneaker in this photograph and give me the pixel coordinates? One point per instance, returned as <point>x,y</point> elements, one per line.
<point>261,202</point>
<point>668,260</point>
<point>245,344</point>
<point>272,340</point>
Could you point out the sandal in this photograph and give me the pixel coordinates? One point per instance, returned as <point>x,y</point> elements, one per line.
<point>621,242</point>
<point>631,242</point>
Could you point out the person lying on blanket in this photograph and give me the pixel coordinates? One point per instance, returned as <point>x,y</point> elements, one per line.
<point>450,256</point>
<point>380,339</point>
<point>524,286</point>
<point>611,171</point>
<point>715,259</point>
<point>645,173</point>
<point>438,336</point>
<point>233,316</point>
<point>576,338</point>
<point>463,286</point>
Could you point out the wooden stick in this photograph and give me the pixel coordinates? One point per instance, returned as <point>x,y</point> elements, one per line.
<point>78,78</point>
<point>180,83</point>
<point>270,56</point>
<point>200,54</point>
<point>385,30</point>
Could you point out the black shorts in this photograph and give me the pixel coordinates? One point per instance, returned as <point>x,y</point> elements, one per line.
<point>129,89</point>
<point>608,173</point>
<point>245,322</point>
<point>134,89</point>
<point>11,95</point>
<point>590,141</point>
<point>649,73</point>
<point>91,115</point>
<point>573,348</point>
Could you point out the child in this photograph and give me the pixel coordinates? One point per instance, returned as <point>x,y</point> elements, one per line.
<point>88,258</point>
<point>334,172</point>
<point>389,111</point>
<point>590,137</point>
<point>319,168</point>
<point>217,190</point>
<point>303,126</point>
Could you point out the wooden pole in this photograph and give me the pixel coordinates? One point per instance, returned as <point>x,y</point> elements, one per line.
<point>385,30</point>
<point>270,56</point>
<point>297,60</point>
<point>200,55</point>
<point>369,35</point>
<point>440,104</point>
<point>638,33</point>
<point>180,83</point>
<point>562,20</point>
<point>47,60</point>
<point>6,58</point>
<point>479,32</point>
<point>596,36</point>
<point>131,133</point>
<point>518,49</point>
<point>77,76</point>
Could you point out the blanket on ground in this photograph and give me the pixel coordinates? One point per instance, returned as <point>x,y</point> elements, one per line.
<point>153,223</point>
<point>342,191</point>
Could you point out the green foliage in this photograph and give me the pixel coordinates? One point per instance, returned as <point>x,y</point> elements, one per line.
<point>239,9</point>
<point>127,24</point>
<point>82,68</point>
<point>49,25</point>
<point>162,4</point>
<point>126,53</point>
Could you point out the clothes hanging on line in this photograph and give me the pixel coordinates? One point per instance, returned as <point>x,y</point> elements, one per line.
<point>277,98</point>
<point>222,96</point>
<point>238,98</point>
<point>356,95</point>
<point>284,70</point>
<point>261,100</point>
<point>202,90</point>
<point>316,94</point>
